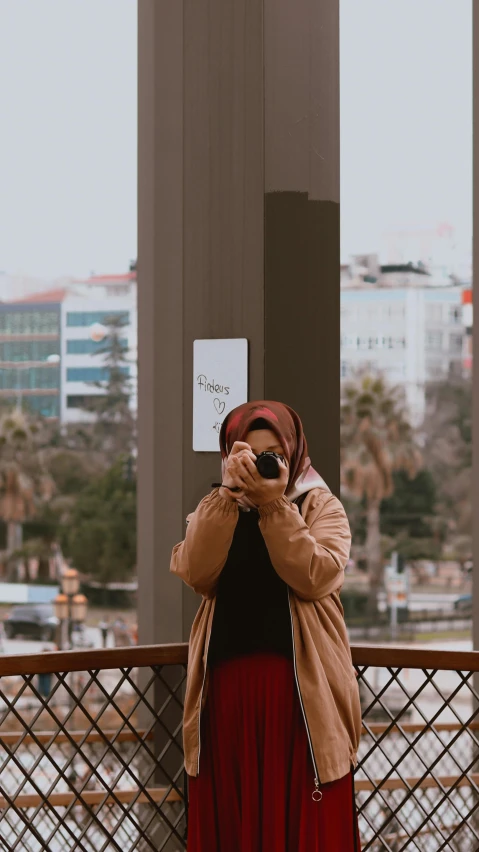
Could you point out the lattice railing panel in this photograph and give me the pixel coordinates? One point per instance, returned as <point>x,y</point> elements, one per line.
<point>98,764</point>
<point>93,766</point>
<point>417,780</point>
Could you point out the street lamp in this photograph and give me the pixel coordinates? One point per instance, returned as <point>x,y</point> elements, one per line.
<point>70,609</point>
<point>70,606</point>
<point>79,608</point>
<point>70,582</point>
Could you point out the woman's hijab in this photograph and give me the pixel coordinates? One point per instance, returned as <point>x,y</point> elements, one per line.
<point>287,426</point>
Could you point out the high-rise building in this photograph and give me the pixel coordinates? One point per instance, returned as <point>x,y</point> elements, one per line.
<point>51,345</point>
<point>397,320</point>
<point>85,318</point>
<point>30,353</point>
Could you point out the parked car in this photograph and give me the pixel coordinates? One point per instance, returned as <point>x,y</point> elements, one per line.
<point>33,621</point>
<point>463,604</point>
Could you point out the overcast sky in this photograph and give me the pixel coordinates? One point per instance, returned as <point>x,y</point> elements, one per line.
<point>406,118</point>
<point>67,136</point>
<point>68,128</point>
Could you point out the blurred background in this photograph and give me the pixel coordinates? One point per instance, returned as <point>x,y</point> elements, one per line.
<point>68,321</point>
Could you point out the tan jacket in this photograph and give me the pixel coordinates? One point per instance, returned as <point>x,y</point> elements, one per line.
<point>309,551</point>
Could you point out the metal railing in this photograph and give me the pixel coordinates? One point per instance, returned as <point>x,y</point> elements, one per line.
<point>91,750</point>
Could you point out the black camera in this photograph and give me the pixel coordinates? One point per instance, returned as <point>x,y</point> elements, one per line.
<point>267,464</point>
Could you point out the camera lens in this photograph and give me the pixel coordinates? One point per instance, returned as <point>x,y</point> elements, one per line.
<point>268,466</point>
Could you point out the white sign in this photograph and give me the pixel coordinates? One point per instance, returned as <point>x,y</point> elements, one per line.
<point>396,589</point>
<point>220,383</point>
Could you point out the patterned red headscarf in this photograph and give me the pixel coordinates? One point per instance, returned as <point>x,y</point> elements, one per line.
<point>287,426</point>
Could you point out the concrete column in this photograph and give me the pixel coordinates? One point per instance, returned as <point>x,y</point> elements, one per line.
<point>238,237</point>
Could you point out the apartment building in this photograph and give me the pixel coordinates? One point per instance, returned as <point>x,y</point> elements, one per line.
<point>51,345</point>
<point>399,321</point>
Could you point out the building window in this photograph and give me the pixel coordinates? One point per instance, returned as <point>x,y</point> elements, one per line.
<point>455,314</point>
<point>28,350</point>
<point>455,342</point>
<point>45,405</point>
<point>434,340</point>
<point>33,378</point>
<point>29,322</point>
<point>89,347</point>
<point>83,319</point>
<point>344,369</point>
<point>91,374</point>
<point>79,401</point>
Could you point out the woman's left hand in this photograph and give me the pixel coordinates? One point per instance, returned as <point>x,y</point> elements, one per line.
<point>259,490</point>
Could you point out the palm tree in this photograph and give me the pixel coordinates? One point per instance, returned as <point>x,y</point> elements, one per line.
<point>376,440</point>
<point>24,480</point>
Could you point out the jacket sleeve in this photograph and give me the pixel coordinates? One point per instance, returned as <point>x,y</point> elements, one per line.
<point>200,558</point>
<point>310,554</point>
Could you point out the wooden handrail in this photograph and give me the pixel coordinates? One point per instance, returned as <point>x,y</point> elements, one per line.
<point>157,794</point>
<point>159,655</point>
<point>415,658</point>
<point>361,784</point>
<point>93,660</point>
<point>12,738</point>
<point>93,797</point>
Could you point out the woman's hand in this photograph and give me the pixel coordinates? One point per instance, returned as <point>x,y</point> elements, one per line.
<point>231,477</point>
<point>259,490</point>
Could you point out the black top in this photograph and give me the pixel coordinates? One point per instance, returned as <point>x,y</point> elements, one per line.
<point>252,608</point>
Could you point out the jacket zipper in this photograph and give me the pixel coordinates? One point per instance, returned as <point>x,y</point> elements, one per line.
<point>201,702</point>
<point>317,794</point>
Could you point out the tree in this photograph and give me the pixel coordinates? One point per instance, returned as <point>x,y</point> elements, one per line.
<point>100,535</point>
<point>409,516</point>
<point>113,429</point>
<point>24,479</point>
<point>411,507</point>
<point>376,441</point>
<point>448,454</point>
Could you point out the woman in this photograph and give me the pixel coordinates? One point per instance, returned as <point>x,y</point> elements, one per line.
<point>272,716</point>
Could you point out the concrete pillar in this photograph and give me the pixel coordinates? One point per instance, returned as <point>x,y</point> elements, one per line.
<point>238,237</point>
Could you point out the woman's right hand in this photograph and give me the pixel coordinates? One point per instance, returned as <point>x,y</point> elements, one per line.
<point>231,473</point>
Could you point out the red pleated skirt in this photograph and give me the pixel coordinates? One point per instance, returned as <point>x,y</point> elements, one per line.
<point>256,779</point>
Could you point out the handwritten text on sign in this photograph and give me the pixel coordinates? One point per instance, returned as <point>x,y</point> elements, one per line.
<point>220,383</point>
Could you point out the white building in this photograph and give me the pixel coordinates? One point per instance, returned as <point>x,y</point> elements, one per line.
<point>399,322</point>
<point>50,357</point>
<point>86,306</point>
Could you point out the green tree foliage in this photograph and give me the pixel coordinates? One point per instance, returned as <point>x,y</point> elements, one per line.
<point>448,455</point>
<point>75,485</point>
<point>411,506</point>
<point>376,442</point>
<point>113,429</point>
<point>25,481</point>
<point>408,517</point>
<point>100,537</point>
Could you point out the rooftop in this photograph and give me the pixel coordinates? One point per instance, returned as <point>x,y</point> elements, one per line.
<point>47,296</point>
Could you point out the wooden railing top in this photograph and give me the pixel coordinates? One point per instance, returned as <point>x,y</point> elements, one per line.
<point>177,654</point>
<point>402,657</point>
<point>94,660</point>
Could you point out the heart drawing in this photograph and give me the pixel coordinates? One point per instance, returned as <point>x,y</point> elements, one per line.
<point>220,406</point>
